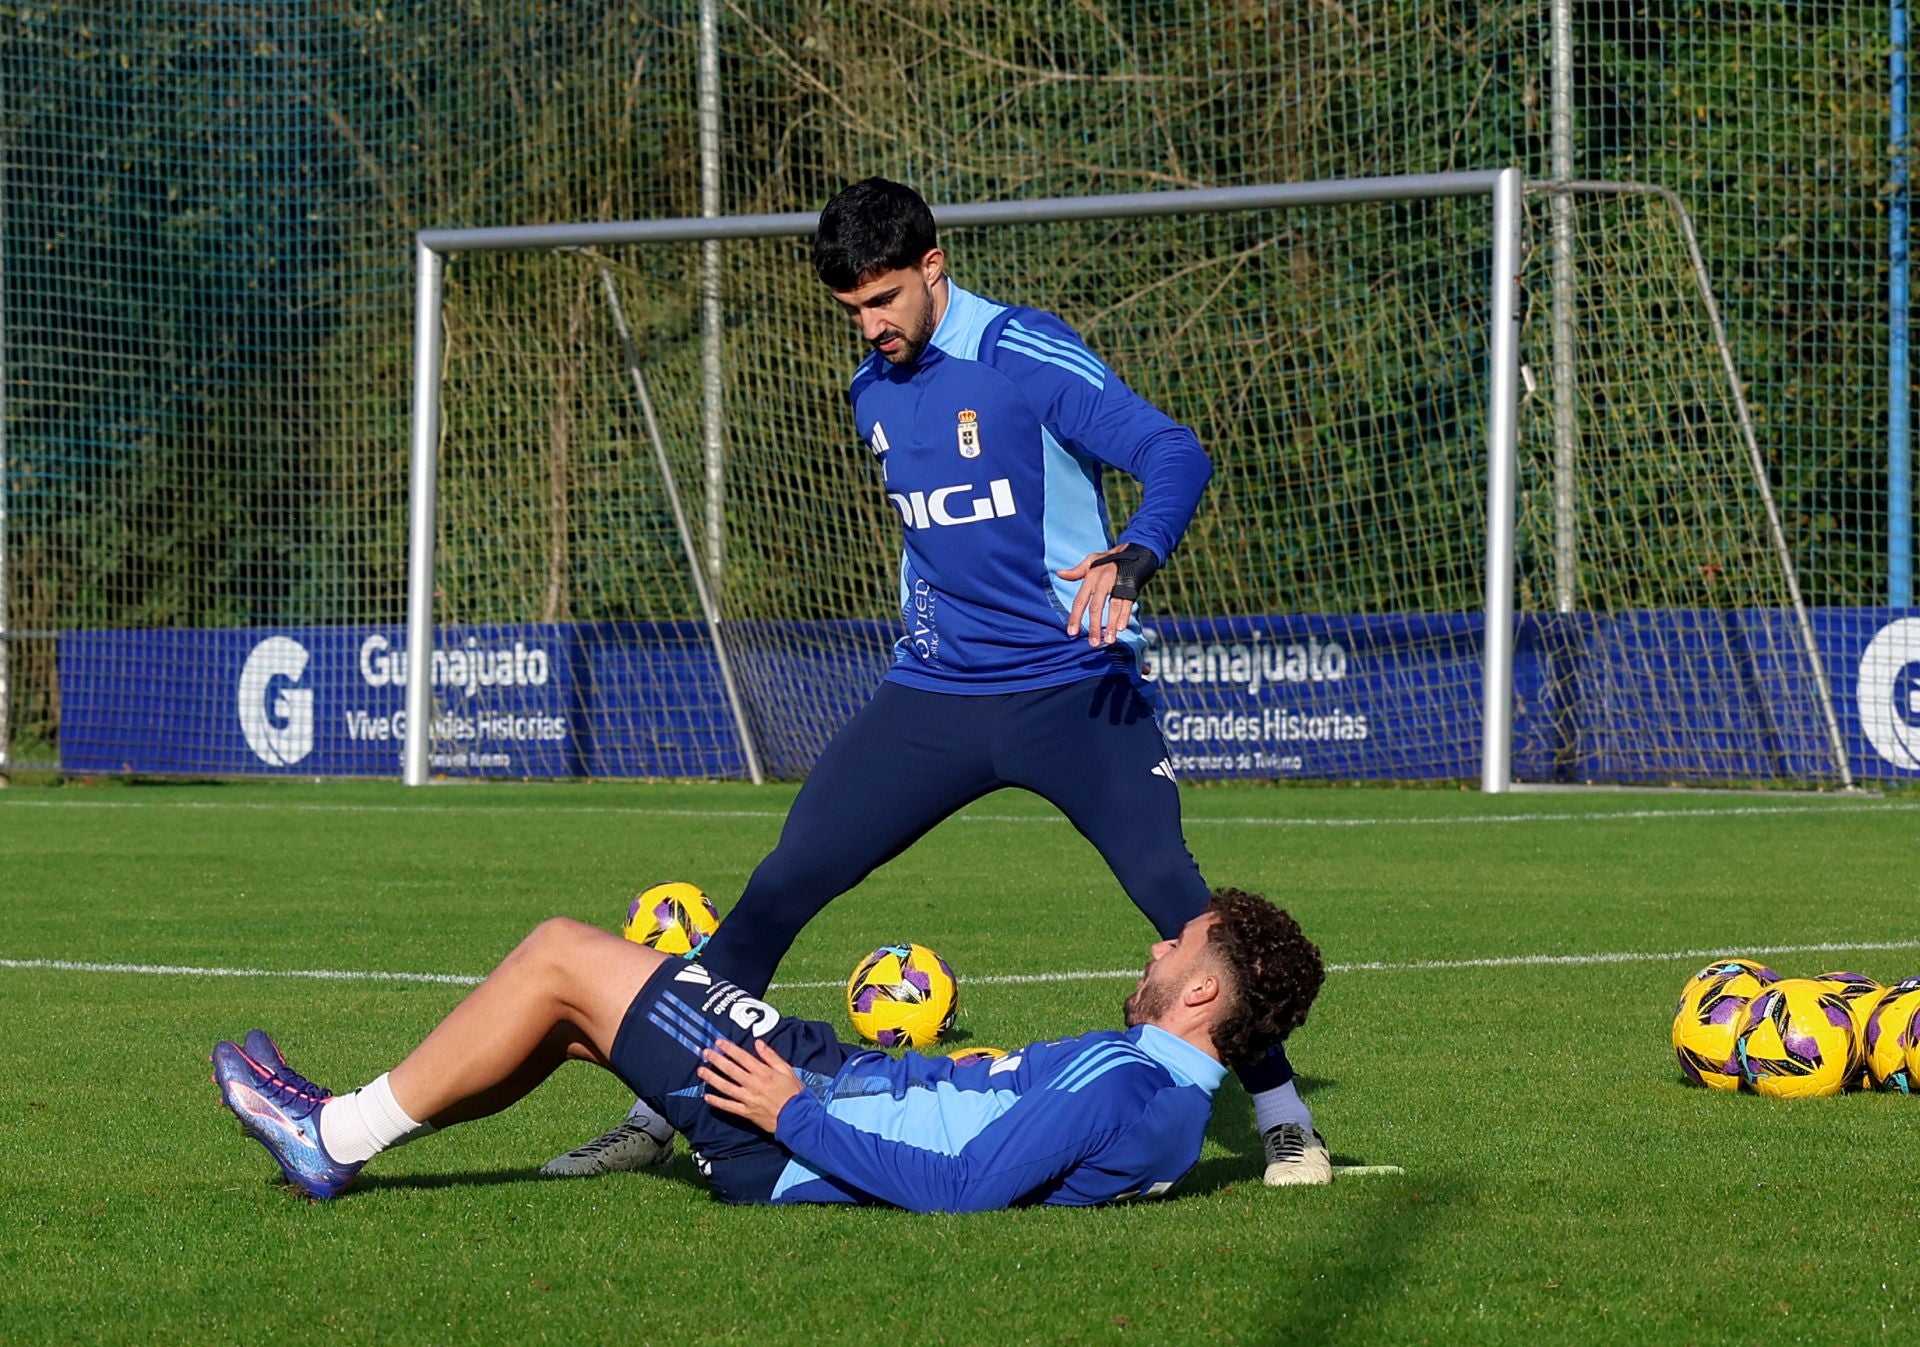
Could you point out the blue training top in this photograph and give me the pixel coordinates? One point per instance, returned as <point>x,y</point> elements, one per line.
<point>991,446</point>
<point>1100,1118</point>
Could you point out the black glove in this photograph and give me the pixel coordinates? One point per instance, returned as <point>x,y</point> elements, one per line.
<point>1133,565</point>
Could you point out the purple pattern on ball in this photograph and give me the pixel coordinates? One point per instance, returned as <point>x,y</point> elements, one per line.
<point>1725,1009</point>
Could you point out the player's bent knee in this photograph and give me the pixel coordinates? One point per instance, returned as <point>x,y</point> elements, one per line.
<point>590,975</point>
<point>556,934</point>
<point>560,943</point>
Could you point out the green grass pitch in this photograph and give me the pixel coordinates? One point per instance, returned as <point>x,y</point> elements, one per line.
<point>1560,1184</point>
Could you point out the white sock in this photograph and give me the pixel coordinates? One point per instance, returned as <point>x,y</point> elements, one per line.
<point>1281,1104</point>
<point>356,1127</point>
<point>642,1115</point>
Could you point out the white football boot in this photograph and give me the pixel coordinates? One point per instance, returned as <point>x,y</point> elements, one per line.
<point>1296,1155</point>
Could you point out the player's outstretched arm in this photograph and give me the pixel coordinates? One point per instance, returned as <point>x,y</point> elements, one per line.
<point>1022,1152</point>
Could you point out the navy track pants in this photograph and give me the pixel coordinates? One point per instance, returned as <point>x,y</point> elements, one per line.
<point>909,759</point>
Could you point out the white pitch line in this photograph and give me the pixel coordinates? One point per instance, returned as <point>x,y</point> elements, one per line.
<point>189,970</point>
<point>1361,1171</point>
<point>1003,979</point>
<point>1623,956</point>
<point>1739,811</point>
<point>1191,820</point>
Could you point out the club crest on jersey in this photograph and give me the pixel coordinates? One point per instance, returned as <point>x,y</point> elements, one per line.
<point>969,433</point>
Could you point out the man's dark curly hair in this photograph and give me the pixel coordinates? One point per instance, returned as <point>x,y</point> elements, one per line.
<point>873,226</point>
<point>1274,969</point>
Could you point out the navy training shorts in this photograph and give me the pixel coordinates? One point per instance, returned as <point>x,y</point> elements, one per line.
<point>679,1014</point>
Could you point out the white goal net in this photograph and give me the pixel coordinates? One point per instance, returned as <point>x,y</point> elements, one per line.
<point>627,419</point>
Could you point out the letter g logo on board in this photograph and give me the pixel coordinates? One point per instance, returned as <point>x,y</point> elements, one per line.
<point>1889,693</point>
<point>277,720</point>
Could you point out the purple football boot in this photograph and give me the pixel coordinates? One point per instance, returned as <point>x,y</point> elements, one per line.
<point>281,1110</point>
<point>259,1046</point>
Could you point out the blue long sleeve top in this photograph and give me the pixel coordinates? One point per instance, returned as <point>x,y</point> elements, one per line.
<point>991,446</point>
<point>1104,1117</point>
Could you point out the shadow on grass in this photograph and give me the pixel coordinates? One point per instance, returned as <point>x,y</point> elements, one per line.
<point>489,1178</point>
<point>1335,1291</point>
<point>1338,1294</point>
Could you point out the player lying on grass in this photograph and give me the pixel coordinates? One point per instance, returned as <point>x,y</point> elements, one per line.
<point>780,1110</point>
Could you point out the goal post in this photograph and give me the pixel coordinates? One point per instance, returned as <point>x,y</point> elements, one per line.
<point>1501,189</point>
<point>1503,377</point>
<point>1360,595</point>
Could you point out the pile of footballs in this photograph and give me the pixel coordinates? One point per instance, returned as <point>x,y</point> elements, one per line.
<point>1741,1026</point>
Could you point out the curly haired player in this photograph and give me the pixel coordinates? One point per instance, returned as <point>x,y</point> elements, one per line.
<point>780,1110</point>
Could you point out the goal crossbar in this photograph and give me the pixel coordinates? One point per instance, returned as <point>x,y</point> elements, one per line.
<point>1502,187</point>
<point>1037,210</point>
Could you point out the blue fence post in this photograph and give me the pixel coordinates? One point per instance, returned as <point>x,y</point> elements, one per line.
<point>1899,423</point>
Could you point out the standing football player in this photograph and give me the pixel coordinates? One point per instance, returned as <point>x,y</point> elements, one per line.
<point>991,425</point>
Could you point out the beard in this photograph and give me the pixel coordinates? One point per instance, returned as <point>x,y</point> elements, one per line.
<point>912,343</point>
<point>1148,1003</point>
